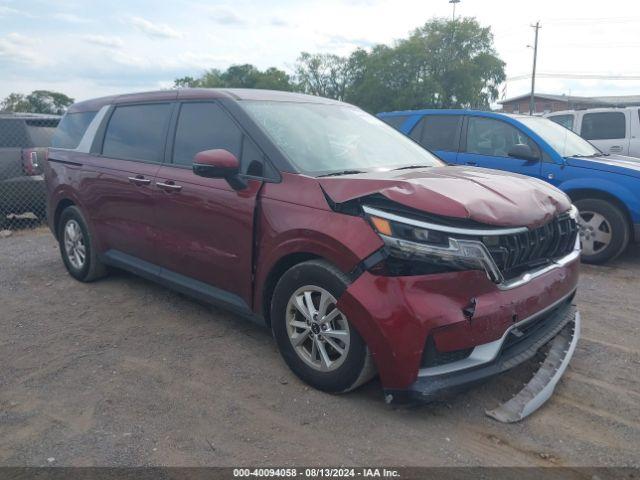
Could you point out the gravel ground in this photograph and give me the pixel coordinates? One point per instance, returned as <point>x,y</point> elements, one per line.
<point>124,372</point>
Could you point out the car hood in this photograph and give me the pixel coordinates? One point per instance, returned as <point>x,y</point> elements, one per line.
<point>486,196</point>
<point>611,163</point>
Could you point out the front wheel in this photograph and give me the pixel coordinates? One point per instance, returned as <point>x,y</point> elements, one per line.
<point>316,339</point>
<point>604,230</point>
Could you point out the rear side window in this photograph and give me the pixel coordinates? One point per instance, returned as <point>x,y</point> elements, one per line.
<point>603,126</point>
<point>438,132</point>
<point>204,126</point>
<point>137,132</point>
<point>71,129</point>
<point>564,120</point>
<point>395,121</point>
<point>13,134</point>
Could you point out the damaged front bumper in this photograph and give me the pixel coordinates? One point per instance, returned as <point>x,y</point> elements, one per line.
<point>560,325</point>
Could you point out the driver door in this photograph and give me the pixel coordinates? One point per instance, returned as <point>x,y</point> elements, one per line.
<point>488,142</point>
<point>205,227</point>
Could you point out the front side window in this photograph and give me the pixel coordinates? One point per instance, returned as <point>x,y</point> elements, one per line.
<point>495,138</point>
<point>603,126</point>
<point>137,132</point>
<point>322,139</point>
<point>560,139</point>
<point>565,120</point>
<point>439,132</point>
<point>204,126</point>
<point>71,129</point>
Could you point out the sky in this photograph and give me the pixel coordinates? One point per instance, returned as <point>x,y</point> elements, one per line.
<point>93,48</point>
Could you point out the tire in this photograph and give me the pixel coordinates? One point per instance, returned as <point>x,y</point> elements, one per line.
<point>90,268</point>
<point>604,230</point>
<point>337,372</point>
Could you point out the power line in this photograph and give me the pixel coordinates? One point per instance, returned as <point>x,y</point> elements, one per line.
<point>576,76</point>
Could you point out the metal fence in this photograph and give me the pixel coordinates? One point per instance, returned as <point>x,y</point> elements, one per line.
<point>24,139</point>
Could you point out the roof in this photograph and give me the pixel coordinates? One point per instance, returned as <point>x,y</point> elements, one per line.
<point>196,93</point>
<point>27,116</point>
<point>604,100</point>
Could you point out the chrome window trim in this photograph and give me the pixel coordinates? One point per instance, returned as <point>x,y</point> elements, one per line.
<point>487,352</point>
<point>87,139</point>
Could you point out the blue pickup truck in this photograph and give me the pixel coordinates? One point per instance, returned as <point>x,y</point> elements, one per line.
<point>605,188</point>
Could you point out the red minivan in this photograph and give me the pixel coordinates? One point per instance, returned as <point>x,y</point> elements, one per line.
<point>361,251</point>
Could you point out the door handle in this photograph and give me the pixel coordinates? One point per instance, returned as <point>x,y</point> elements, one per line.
<point>169,187</point>
<point>139,180</point>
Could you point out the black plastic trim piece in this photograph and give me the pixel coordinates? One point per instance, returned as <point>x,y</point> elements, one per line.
<point>180,283</point>
<point>372,260</point>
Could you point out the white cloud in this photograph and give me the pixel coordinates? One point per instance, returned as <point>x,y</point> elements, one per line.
<point>104,41</point>
<point>159,30</point>
<point>18,49</point>
<point>226,16</point>
<point>70,18</point>
<point>4,11</point>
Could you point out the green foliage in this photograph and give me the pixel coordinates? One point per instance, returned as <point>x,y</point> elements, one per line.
<point>443,64</point>
<point>239,76</point>
<point>38,101</point>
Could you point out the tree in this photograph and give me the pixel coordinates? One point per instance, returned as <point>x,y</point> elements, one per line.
<point>38,101</point>
<point>323,74</point>
<point>15,102</point>
<point>239,76</point>
<point>443,64</point>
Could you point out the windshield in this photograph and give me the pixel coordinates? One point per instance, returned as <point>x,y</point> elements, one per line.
<point>322,139</point>
<point>561,139</point>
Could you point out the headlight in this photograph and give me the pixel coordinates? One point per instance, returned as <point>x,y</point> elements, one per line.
<point>414,250</point>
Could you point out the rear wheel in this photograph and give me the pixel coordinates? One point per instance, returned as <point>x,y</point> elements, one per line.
<point>77,247</point>
<point>315,338</point>
<point>604,230</point>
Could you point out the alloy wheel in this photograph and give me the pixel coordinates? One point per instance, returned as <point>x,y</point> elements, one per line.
<point>317,329</point>
<point>74,245</point>
<point>595,232</point>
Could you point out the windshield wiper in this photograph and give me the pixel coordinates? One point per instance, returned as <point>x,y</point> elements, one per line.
<point>599,154</point>
<point>343,172</point>
<point>411,166</point>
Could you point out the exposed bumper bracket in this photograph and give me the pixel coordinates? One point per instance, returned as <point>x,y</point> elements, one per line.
<point>542,384</point>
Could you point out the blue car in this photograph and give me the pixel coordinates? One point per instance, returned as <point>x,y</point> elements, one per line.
<point>605,188</point>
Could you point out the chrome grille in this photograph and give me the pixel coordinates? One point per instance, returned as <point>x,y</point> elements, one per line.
<point>519,252</point>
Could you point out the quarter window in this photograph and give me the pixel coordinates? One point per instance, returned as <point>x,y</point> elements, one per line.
<point>603,126</point>
<point>137,132</point>
<point>204,126</point>
<point>438,132</point>
<point>486,136</point>
<point>71,129</point>
<point>395,121</point>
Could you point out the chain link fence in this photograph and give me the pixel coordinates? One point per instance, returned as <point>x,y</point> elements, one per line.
<point>24,139</point>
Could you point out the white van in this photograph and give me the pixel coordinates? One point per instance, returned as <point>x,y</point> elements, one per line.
<point>612,130</point>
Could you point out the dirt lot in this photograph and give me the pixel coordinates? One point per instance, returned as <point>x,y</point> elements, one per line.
<point>124,372</point>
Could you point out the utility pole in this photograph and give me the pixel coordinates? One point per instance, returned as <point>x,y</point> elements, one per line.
<point>532,104</point>
<point>453,2</point>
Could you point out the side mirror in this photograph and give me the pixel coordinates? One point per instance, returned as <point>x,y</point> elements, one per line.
<point>524,152</point>
<point>219,163</point>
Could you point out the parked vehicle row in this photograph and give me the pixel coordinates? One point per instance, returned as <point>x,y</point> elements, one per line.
<point>604,187</point>
<point>363,252</point>
<point>24,139</point>
<point>611,130</point>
